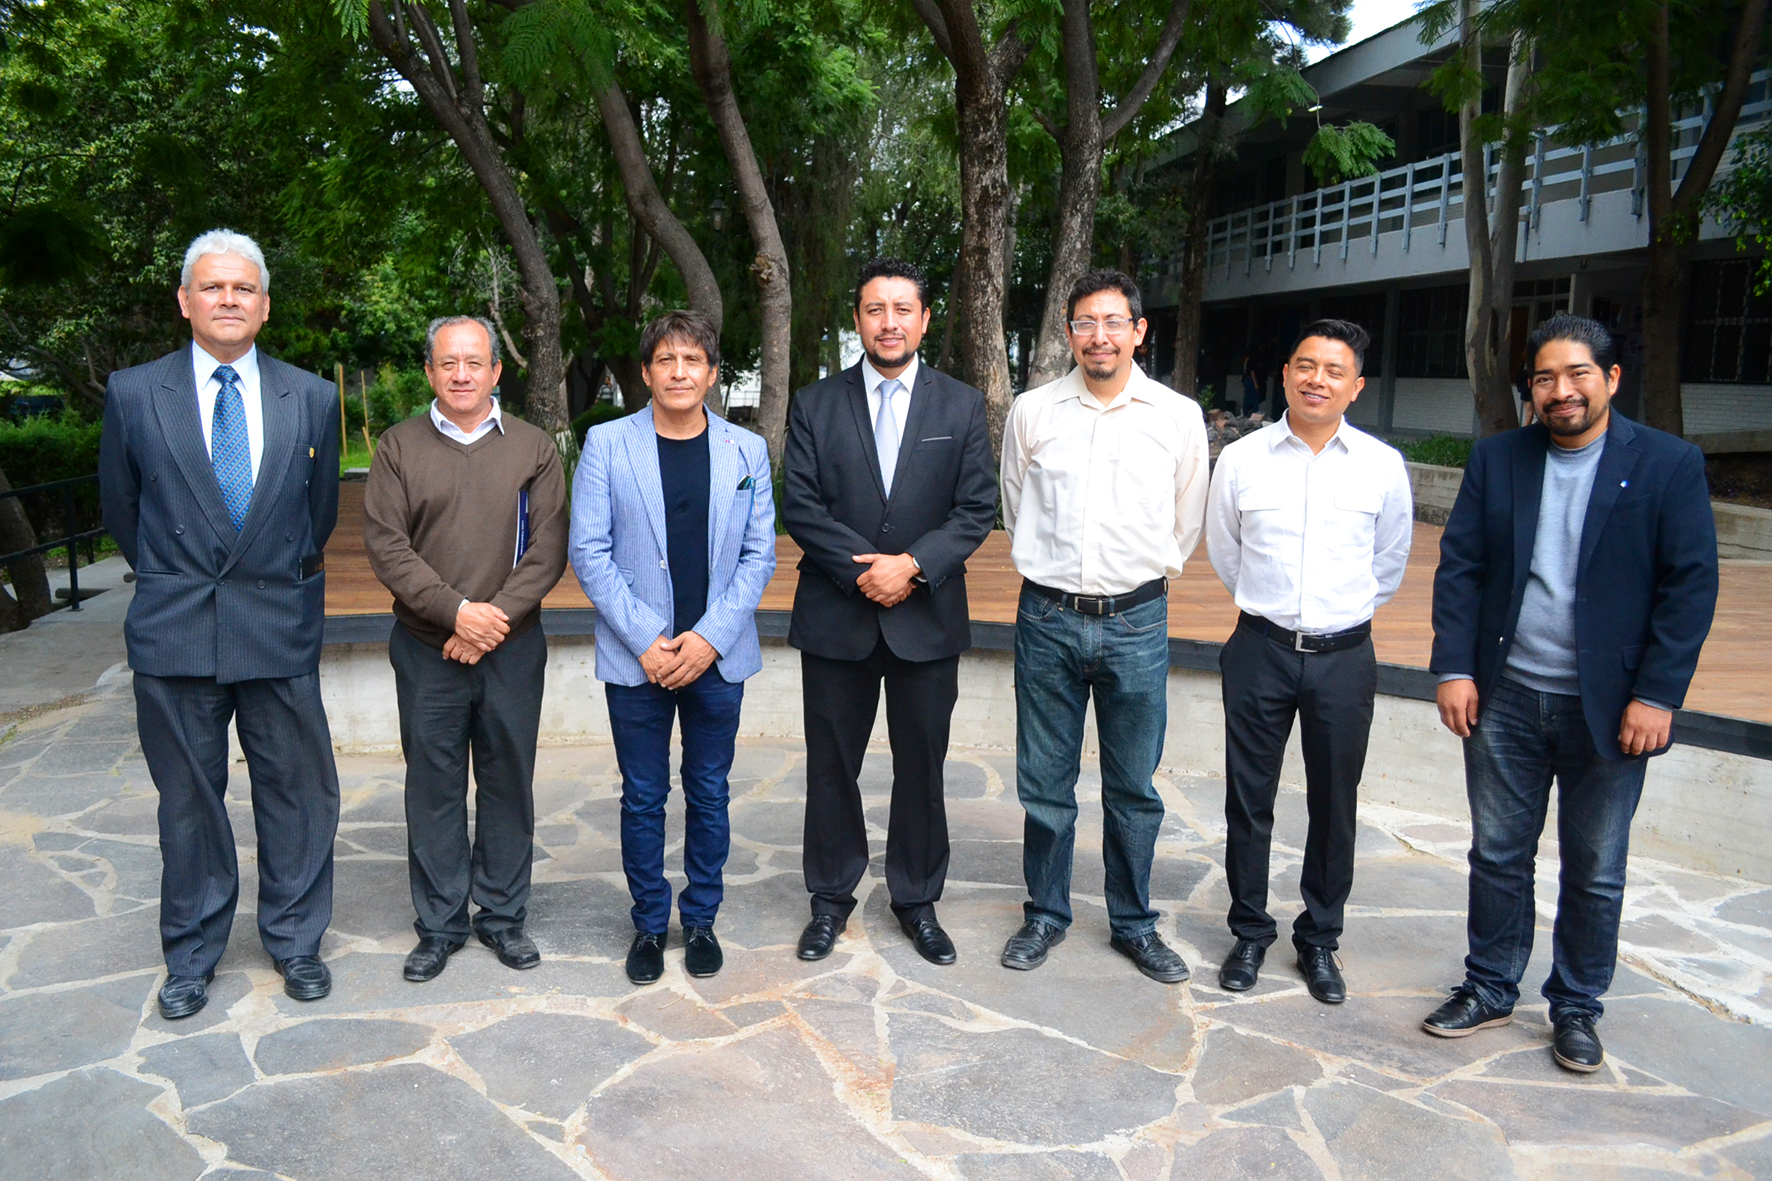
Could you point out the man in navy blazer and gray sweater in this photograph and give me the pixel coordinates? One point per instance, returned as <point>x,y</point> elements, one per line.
<point>1577,580</point>
<point>218,473</point>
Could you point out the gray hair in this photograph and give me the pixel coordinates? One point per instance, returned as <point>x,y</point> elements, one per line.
<point>226,242</point>
<point>442,322</point>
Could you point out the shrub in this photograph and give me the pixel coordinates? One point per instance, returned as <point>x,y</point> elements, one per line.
<point>1439,450</point>
<point>597,415</point>
<point>42,448</point>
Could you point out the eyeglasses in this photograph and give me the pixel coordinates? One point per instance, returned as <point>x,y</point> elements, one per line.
<point>1113,327</point>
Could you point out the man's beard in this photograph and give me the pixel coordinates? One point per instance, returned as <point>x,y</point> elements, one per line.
<point>1101,368</point>
<point>881,361</point>
<point>1568,428</point>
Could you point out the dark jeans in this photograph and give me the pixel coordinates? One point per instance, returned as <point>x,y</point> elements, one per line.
<point>640,718</point>
<point>450,712</point>
<point>841,699</point>
<point>1265,684</point>
<point>183,724</point>
<point>1061,659</point>
<point>1522,740</point>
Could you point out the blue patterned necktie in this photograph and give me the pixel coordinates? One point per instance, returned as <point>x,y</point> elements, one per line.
<point>229,450</point>
<point>886,433</point>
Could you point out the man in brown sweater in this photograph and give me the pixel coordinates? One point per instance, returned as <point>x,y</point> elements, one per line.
<point>465,522</point>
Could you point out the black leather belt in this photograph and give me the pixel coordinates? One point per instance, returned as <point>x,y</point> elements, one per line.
<point>1353,637</point>
<point>1156,588</point>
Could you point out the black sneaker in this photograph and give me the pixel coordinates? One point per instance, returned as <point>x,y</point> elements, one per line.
<point>1153,957</point>
<point>1576,1046</point>
<point>1464,1013</point>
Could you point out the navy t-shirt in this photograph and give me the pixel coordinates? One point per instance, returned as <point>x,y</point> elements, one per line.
<point>683,469</point>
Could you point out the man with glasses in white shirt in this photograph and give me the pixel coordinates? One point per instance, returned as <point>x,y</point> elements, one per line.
<point>1308,525</point>
<point>1104,481</point>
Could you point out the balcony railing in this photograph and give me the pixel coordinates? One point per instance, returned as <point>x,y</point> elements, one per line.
<point>1423,199</point>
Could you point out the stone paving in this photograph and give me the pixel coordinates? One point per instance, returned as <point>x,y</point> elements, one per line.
<point>871,1064</point>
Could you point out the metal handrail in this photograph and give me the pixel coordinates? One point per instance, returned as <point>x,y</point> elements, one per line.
<point>1425,191</point>
<point>71,541</point>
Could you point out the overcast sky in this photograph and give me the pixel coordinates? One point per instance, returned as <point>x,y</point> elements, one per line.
<point>1370,17</point>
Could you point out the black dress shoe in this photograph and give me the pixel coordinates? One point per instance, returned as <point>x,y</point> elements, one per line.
<point>305,978</point>
<point>1577,1046</point>
<point>646,957</point>
<point>931,941</point>
<point>1242,968</point>
<point>1321,975</point>
<point>429,958</point>
<point>513,948</point>
<point>1027,948</point>
<point>181,996</point>
<point>701,951</point>
<point>1153,957</point>
<point>1463,1014</point>
<point>820,936</point>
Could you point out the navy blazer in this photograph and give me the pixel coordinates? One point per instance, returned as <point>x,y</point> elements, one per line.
<point>210,601</point>
<point>1645,583</point>
<point>834,504</point>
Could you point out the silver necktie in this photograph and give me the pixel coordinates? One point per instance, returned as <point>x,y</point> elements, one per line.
<point>886,432</point>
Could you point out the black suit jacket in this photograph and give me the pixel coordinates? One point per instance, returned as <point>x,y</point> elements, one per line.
<point>210,601</point>
<point>943,504</point>
<point>1645,583</point>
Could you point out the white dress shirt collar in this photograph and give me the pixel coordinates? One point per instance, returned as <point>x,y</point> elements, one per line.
<point>871,377</point>
<point>494,418</point>
<point>1138,386</point>
<point>203,367</point>
<point>1282,431</point>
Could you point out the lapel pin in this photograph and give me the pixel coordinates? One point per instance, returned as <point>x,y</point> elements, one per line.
<point>1624,483</point>
<point>310,453</point>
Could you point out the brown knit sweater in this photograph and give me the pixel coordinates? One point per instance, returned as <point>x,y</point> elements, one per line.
<point>440,523</point>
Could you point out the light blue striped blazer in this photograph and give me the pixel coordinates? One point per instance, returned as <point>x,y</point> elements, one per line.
<point>618,544</point>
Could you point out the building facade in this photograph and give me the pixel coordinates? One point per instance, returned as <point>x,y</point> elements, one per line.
<point>1389,252</point>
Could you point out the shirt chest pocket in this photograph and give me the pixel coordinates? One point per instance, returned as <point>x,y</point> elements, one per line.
<point>1356,517</point>
<point>1265,498</point>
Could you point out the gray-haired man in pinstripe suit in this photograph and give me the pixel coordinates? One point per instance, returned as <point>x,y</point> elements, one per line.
<point>219,477</point>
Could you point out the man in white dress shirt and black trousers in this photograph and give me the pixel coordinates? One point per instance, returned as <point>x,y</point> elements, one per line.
<point>1308,525</point>
<point>1104,483</point>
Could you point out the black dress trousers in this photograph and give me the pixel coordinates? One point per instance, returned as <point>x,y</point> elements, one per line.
<point>842,698</point>
<point>450,711</point>
<point>1266,684</point>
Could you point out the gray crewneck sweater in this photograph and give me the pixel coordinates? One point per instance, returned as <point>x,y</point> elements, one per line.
<point>1542,656</point>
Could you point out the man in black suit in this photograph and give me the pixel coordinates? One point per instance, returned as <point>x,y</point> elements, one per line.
<point>889,490</point>
<point>218,472</point>
<point>1577,580</point>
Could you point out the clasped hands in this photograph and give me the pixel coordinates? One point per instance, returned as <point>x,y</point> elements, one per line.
<point>674,663</point>
<point>1643,729</point>
<point>479,628</point>
<point>887,580</point>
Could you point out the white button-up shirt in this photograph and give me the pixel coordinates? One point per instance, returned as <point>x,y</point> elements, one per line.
<point>1313,543</point>
<point>1100,499</point>
<point>452,432</point>
<point>901,401</point>
<point>203,368</point>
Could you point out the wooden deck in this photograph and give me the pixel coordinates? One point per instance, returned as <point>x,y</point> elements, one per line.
<point>1733,672</point>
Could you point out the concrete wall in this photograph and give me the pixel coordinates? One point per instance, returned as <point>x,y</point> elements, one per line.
<point>1435,490</point>
<point>1436,405</point>
<point>1720,408</point>
<point>1702,809</point>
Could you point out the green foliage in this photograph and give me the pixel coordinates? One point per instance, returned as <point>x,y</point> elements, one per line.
<point>1742,200</point>
<point>597,415</point>
<point>46,447</point>
<point>1438,450</point>
<point>1338,153</point>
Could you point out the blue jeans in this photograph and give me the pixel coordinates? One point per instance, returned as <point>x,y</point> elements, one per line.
<point>1522,740</point>
<point>1061,658</point>
<point>640,720</point>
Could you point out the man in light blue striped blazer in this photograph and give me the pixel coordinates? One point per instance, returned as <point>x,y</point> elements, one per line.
<point>673,540</point>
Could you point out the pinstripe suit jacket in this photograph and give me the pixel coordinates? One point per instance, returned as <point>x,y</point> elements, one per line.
<point>618,545</point>
<point>210,601</point>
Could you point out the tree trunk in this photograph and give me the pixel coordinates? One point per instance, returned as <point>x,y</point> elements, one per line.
<point>1674,215</point>
<point>1184,375</point>
<point>458,103</point>
<point>1493,245</point>
<point>713,74</point>
<point>30,582</point>
<point>649,207</point>
<point>1081,143</point>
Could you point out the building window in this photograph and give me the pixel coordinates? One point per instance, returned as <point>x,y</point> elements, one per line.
<point>1430,333</point>
<point>1368,312</point>
<point>1728,327</point>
